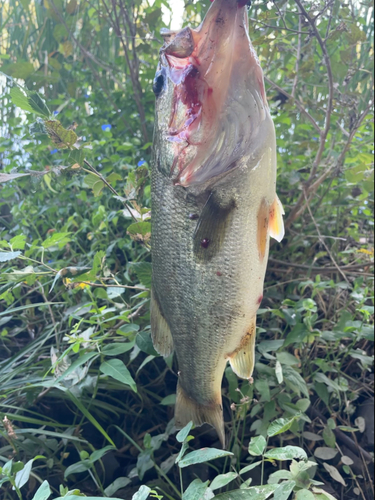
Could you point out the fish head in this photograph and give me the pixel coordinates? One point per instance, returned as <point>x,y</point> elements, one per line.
<point>210,99</point>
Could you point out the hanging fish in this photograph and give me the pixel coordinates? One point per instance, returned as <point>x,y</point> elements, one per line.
<point>214,206</point>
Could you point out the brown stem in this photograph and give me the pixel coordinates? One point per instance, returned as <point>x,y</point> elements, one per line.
<point>133,64</point>
<point>297,103</point>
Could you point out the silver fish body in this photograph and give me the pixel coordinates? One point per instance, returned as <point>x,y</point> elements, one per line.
<point>214,207</point>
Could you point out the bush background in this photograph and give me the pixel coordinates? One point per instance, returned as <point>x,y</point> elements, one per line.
<point>78,372</point>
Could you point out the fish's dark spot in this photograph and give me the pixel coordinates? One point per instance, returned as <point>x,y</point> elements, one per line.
<point>193,216</point>
<point>159,83</point>
<point>205,243</point>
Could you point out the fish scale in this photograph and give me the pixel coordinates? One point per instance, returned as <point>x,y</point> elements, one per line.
<point>211,228</point>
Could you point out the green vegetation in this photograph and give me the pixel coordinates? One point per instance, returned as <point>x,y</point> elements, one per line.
<point>86,404</point>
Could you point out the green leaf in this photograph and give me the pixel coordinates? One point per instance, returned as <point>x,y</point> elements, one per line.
<point>98,454</point>
<point>143,271</point>
<point>334,473</point>
<point>169,400</point>
<point>325,453</point>
<point>144,342</point>
<point>253,493</point>
<point>286,453</point>
<point>7,468</point>
<point>279,372</point>
<point>195,491</point>
<point>23,475</point>
<point>43,492</point>
<point>284,490</point>
<point>257,445</point>
<point>57,239</point>
<point>78,467</point>
<point>60,136</point>
<point>250,467</point>
<point>142,493</point>
<point>304,495</point>
<point>6,256</point>
<point>329,437</point>
<point>20,69</point>
<point>294,380</point>
<point>280,426</point>
<point>117,484</point>
<point>29,101</point>
<point>88,415</point>
<point>203,455</point>
<point>10,177</point>
<point>223,480</point>
<point>18,242</point>
<point>183,434</point>
<point>279,475</point>
<point>77,363</point>
<point>117,348</point>
<point>140,231</point>
<point>116,369</point>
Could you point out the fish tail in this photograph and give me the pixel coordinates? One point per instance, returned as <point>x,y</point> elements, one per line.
<point>187,410</point>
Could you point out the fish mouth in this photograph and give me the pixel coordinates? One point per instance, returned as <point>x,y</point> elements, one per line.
<point>214,101</point>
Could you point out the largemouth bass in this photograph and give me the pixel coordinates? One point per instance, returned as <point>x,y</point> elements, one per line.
<point>214,206</point>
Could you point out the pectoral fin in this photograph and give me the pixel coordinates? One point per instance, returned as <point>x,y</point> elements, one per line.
<point>276,221</point>
<point>242,360</point>
<point>160,331</point>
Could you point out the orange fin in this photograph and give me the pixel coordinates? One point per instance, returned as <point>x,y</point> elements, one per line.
<point>276,221</point>
<point>187,409</point>
<point>242,360</point>
<point>160,331</point>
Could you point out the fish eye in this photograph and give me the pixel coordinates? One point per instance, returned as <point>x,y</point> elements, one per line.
<point>159,83</point>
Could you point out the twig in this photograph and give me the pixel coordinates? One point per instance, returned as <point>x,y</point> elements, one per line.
<point>321,239</point>
<point>272,26</point>
<point>330,89</point>
<point>349,443</point>
<point>133,65</point>
<point>112,189</point>
<point>312,187</point>
<point>297,103</point>
<point>348,267</point>
<point>85,51</point>
<point>298,55</point>
<point>109,286</point>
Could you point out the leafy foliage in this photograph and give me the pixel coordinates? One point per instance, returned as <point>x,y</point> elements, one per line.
<point>86,404</point>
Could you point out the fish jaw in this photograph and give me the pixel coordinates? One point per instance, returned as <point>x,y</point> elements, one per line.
<point>213,104</point>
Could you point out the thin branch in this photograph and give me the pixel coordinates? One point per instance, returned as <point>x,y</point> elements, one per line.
<point>321,239</point>
<point>297,103</point>
<point>295,83</point>
<point>348,267</point>
<point>113,190</point>
<point>311,188</point>
<point>85,51</point>
<point>272,26</point>
<point>132,64</point>
<point>330,89</point>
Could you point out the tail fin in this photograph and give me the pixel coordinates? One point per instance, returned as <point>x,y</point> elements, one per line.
<point>189,410</point>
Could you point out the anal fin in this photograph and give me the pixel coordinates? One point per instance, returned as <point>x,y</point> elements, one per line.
<point>242,360</point>
<point>187,410</point>
<point>276,221</point>
<point>160,331</point>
